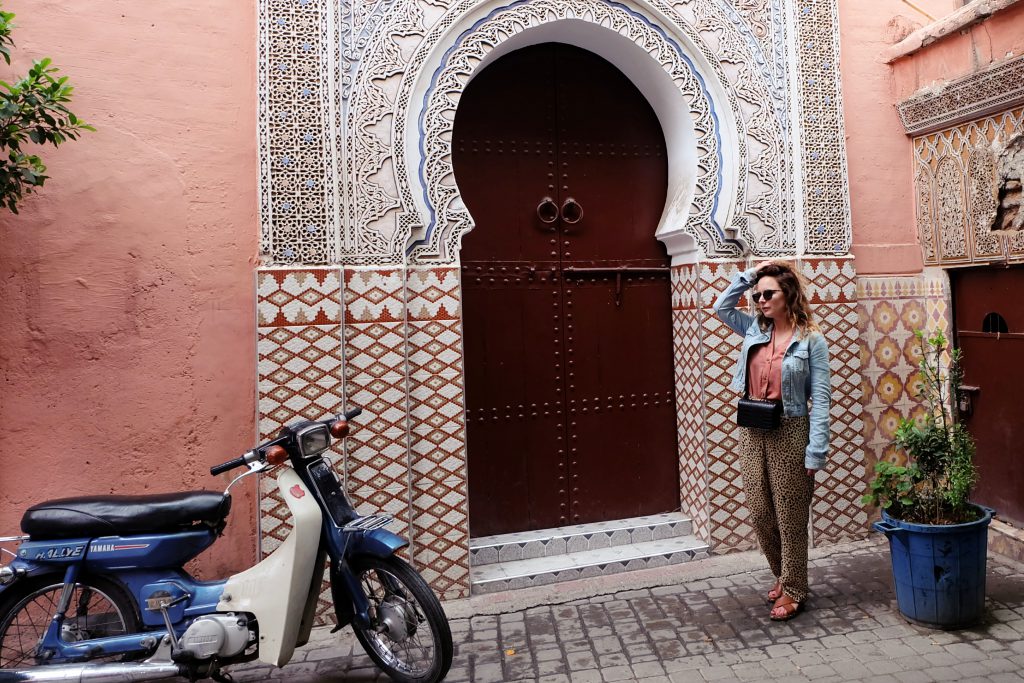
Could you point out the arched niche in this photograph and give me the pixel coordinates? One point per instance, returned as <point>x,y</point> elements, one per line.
<point>703,129</point>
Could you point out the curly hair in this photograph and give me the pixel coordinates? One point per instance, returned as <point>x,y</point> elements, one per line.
<point>792,285</point>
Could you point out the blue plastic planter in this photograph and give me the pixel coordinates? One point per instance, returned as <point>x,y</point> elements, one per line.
<point>939,569</point>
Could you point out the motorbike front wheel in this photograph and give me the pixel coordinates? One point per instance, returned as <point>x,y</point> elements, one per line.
<point>98,608</point>
<point>408,637</point>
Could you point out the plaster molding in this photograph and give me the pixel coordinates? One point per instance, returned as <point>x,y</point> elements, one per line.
<point>711,118</point>
<point>996,88</point>
<point>965,17</point>
<point>341,89</point>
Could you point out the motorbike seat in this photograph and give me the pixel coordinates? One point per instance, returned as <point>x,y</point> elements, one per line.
<point>90,516</point>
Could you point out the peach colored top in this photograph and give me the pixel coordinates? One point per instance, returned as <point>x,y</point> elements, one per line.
<point>766,369</point>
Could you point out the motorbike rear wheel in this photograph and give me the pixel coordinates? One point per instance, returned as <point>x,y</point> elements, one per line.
<point>98,608</point>
<point>409,637</point>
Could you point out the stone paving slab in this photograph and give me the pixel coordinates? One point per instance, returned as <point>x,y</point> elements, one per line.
<point>711,629</point>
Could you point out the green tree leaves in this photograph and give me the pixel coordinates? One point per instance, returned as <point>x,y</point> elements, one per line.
<point>33,110</point>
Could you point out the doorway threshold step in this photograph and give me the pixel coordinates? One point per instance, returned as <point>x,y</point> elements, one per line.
<point>513,575</point>
<point>529,545</point>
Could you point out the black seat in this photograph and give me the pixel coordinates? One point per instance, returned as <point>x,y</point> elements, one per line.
<point>126,515</point>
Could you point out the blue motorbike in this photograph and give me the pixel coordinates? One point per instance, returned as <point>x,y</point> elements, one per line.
<point>96,590</point>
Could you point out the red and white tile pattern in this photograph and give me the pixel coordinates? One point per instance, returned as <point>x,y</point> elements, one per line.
<point>711,484</point>
<point>730,529</point>
<point>399,334</point>
<point>376,380</point>
<point>438,430</point>
<point>299,374</point>
<point>836,512</point>
<point>693,466</point>
<point>299,366</point>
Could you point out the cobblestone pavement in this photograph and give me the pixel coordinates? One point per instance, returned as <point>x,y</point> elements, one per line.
<point>713,629</point>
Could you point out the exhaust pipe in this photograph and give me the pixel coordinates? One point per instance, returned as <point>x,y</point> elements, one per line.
<point>156,668</point>
<point>117,672</point>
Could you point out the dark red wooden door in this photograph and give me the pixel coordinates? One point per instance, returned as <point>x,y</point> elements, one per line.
<point>989,316</point>
<point>567,311</point>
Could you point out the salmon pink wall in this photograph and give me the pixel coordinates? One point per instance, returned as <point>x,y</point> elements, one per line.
<point>961,52</point>
<point>878,150</point>
<point>127,344</point>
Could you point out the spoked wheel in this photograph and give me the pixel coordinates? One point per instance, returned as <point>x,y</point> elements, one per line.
<point>98,608</point>
<point>409,637</point>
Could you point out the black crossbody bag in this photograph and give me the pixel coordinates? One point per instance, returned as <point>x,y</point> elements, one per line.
<point>758,413</point>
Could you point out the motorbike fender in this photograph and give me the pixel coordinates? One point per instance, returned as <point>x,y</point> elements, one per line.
<point>377,543</point>
<point>276,589</point>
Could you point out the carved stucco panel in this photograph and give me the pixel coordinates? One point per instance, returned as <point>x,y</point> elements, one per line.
<point>981,202</point>
<point>925,214</point>
<point>760,89</point>
<point>957,178</point>
<point>729,54</point>
<point>295,201</point>
<point>998,87</point>
<point>822,140</point>
<point>949,183</point>
<point>449,219</point>
<point>329,84</point>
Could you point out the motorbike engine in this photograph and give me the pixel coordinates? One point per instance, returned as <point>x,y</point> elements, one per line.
<point>221,635</point>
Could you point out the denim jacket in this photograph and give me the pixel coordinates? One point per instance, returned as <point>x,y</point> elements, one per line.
<point>805,370</point>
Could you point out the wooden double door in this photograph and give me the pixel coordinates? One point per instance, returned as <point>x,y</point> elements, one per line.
<point>566,295</point>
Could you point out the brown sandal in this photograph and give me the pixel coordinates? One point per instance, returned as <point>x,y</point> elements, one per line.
<point>790,608</point>
<point>776,592</point>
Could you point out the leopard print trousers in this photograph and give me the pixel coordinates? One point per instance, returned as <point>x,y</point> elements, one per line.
<point>778,493</point>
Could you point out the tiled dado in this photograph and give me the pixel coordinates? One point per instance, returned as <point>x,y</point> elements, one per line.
<point>299,375</point>
<point>690,418</point>
<point>891,309</point>
<point>377,379</point>
<point>299,361</point>
<point>836,513</point>
<point>438,429</point>
<point>398,333</point>
<point>727,513</point>
<point>705,350</point>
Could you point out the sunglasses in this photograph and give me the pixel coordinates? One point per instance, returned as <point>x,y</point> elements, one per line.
<point>766,293</point>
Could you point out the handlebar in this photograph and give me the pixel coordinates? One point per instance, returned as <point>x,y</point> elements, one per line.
<point>259,450</point>
<point>229,465</point>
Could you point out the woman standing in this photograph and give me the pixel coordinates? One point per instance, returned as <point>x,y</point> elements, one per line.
<point>784,358</point>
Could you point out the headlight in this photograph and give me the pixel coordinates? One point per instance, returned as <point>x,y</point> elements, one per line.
<point>313,440</point>
<point>6,575</point>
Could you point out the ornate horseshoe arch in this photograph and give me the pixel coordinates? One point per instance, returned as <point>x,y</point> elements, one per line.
<point>703,127</point>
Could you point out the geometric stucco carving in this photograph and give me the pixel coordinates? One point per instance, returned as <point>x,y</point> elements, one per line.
<point>824,192</point>
<point>967,195</point>
<point>356,100</point>
<point>720,192</point>
<point>989,90</point>
<point>696,145</point>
